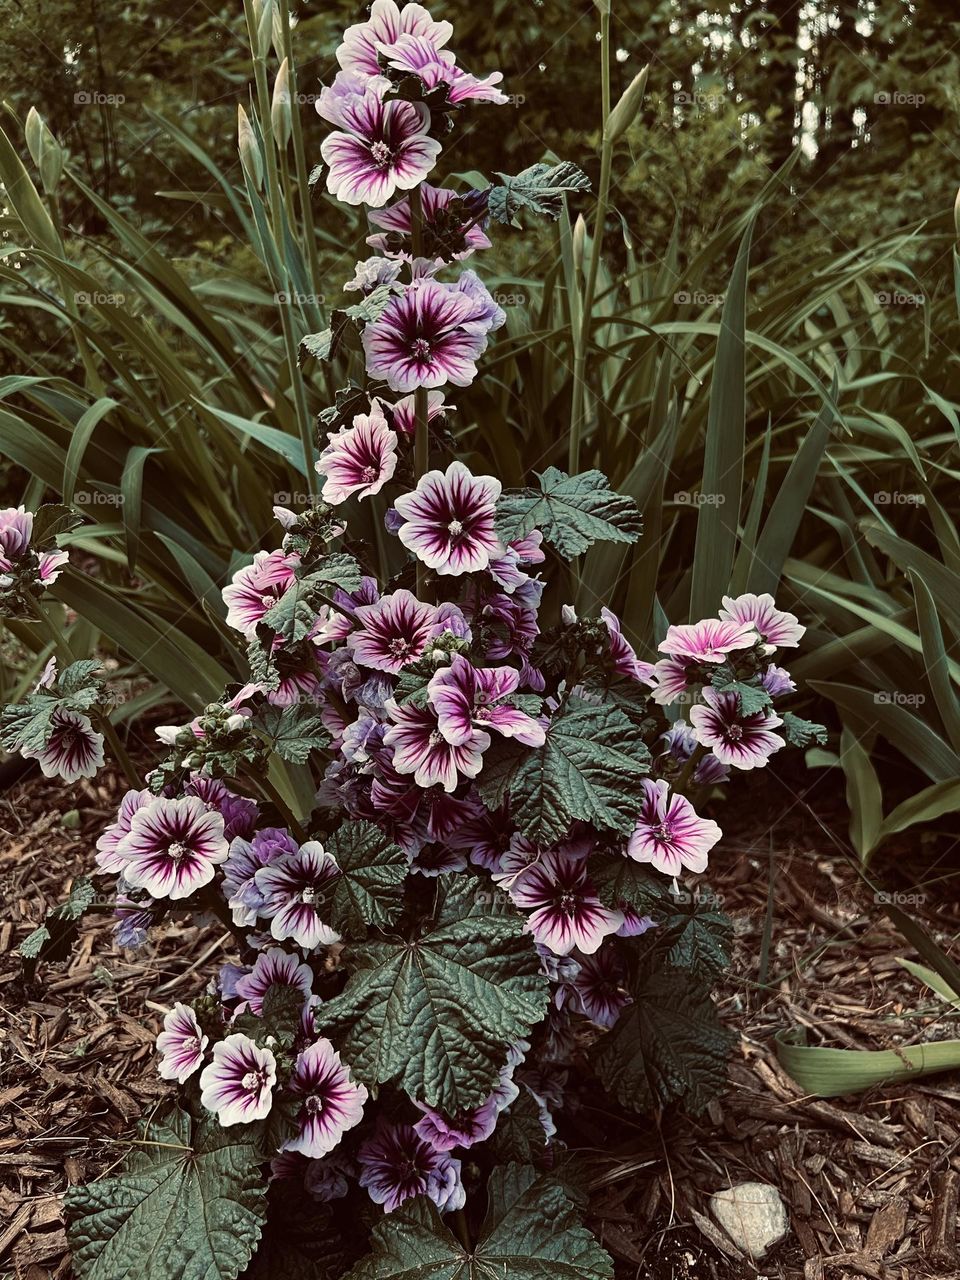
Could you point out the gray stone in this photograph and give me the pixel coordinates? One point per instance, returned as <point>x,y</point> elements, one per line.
<point>753,1216</point>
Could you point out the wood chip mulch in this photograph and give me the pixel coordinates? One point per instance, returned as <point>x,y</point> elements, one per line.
<point>870,1182</point>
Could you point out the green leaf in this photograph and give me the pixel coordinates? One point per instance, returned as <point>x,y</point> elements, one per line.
<point>369,891</point>
<point>589,767</point>
<point>573,512</point>
<point>801,733</point>
<point>695,937</point>
<point>539,189</point>
<point>295,612</point>
<point>752,698</point>
<point>532,1231</point>
<point>188,1206</point>
<point>294,731</point>
<point>435,1013</point>
<point>831,1073</point>
<point>718,519</point>
<point>668,1046</point>
<point>54,939</point>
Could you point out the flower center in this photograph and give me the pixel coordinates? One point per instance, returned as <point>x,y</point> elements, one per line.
<point>369,474</point>
<point>252,1082</point>
<point>177,851</point>
<point>381,154</point>
<point>308,896</point>
<point>436,737</point>
<point>567,903</point>
<point>734,732</point>
<point>455,528</point>
<point>399,647</point>
<point>313,1105</point>
<point>663,833</point>
<point>421,349</point>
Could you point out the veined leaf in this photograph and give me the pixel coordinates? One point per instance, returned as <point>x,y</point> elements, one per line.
<point>435,1013</point>
<point>189,1205</point>
<point>573,512</point>
<point>539,189</point>
<point>369,892</point>
<point>532,1231</point>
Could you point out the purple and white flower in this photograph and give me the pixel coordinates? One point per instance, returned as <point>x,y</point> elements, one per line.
<point>418,55</point>
<point>379,148</point>
<point>470,1127</point>
<point>181,1044</point>
<point>435,200</point>
<point>330,1102</point>
<point>669,833</point>
<point>430,334</point>
<point>360,48</point>
<point>295,889</point>
<point>392,633</point>
<point>273,968</point>
<point>396,1165</point>
<point>359,459</point>
<point>775,627</point>
<point>625,661</point>
<point>73,749</point>
<point>404,414</point>
<point>565,909</point>
<point>256,588</point>
<point>107,845</point>
<point>173,847</point>
<point>709,640</point>
<point>449,520</point>
<point>245,859</point>
<point>238,1084</point>
<point>744,741</point>
<point>420,748</point>
<point>599,987</point>
<point>466,698</point>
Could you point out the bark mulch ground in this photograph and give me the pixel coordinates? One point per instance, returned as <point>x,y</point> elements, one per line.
<point>870,1182</point>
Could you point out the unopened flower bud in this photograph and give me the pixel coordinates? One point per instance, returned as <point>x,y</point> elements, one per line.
<point>45,150</point>
<point>624,113</point>
<point>579,237</point>
<point>280,110</point>
<point>250,156</point>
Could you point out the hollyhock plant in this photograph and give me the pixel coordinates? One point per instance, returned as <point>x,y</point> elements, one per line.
<point>181,1044</point>
<point>435,814</point>
<point>295,889</point>
<point>73,750</point>
<point>329,1101</point>
<point>744,741</point>
<point>396,1165</point>
<point>448,520</point>
<point>238,1084</point>
<point>359,459</point>
<point>466,698</point>
<point>669,833</point>
<point>565,910</point>
<point>429,335</point>
<point>173,847</point>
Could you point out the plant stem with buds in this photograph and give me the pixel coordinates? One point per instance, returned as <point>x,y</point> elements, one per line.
<point>421,400</point>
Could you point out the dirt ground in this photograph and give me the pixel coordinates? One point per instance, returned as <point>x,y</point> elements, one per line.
<point>870,1182</point>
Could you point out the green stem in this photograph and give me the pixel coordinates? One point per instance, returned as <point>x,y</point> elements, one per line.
<point>299,152</point>
<point>421,399</point>
<point>579,404</point>
<point>285,285</point>
<point>687,771</point>
<point>273,795</point>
